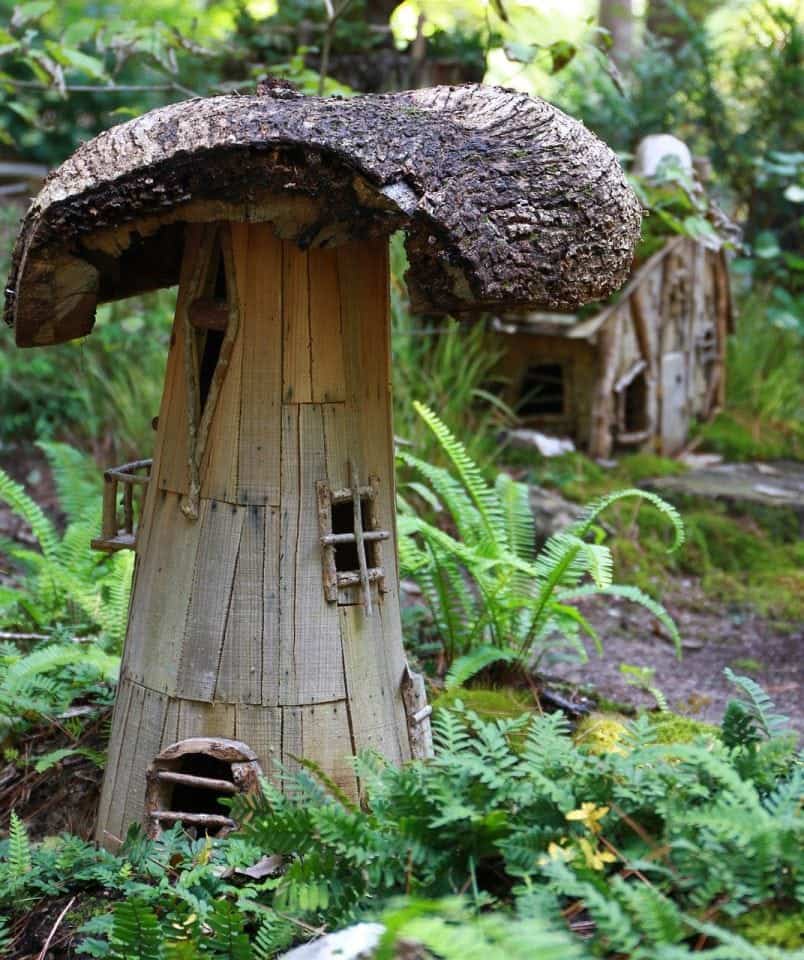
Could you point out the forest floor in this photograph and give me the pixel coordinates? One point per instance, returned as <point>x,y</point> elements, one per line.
<point>714,636</point>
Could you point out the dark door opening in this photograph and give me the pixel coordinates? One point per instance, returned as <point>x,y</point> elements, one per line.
<point>635,405</point>
<point>542,390</point>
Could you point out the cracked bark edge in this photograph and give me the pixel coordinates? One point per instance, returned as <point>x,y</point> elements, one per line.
<point>507,202</point>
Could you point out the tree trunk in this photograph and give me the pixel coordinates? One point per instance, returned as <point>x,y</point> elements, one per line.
<point>617,17</point>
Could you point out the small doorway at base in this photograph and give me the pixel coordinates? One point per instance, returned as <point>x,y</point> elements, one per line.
<point>186,781</point>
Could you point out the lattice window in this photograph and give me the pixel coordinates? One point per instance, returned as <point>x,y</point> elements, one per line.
<point>351,541</point>
<point>187,779</point>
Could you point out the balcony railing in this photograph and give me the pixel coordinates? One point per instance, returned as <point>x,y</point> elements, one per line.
<point>122,508</point>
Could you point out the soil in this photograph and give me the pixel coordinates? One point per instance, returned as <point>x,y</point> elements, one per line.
<point>713,638</point>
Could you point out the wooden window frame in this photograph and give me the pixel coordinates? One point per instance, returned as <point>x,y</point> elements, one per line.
<point>339,583</point>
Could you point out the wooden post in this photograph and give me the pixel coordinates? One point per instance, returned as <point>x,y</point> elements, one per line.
<point>236,628</point>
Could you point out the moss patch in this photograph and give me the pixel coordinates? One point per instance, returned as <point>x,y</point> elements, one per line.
<point>771,927</point>
<point>673,728</point>
<point>504,703</point>
<point>602,733</point>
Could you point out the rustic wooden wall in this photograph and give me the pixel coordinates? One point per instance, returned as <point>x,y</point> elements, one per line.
<point>668,327</point>
<point>230,634</point>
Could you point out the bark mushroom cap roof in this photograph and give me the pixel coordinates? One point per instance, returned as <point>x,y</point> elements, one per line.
<point>507,202</point>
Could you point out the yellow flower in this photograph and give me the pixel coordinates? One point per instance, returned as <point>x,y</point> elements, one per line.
<point>595,859</point>
<point>557,852</point>
<point>589,814</point>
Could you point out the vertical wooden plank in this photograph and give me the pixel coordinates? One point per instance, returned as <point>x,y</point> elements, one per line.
<point>292,744</point>
<point>198,719</point>
<point>327,741</point>
<point>141,753</point>
<point>261,332</point>
<point>374,666</point>
<point>326,342</point>
<point>261,728</point>
<point>115,825</point>
<point>271,608</point>
<point>170,469</point>
<point>170,730</point>
<point>310,650</point>
<point>240,667</point>
<point>159,606</point>
<point>296,361</point>
<point>363,277</point>
<point>115,755</point>
<point>342,445</point>
<point>220,525</point>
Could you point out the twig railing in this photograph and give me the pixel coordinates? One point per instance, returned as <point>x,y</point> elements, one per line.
<point>119,532</point>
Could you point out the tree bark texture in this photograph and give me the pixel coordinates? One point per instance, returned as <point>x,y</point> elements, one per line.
<point>507,202</point>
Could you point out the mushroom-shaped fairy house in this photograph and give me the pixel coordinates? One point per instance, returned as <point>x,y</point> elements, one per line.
<point>264,623</point>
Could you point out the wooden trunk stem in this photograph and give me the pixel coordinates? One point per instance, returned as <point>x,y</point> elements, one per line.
<point>241,627</point>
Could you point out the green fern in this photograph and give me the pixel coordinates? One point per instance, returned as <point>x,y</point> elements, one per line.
<point>759,704</point>
<point>66,582</point>
<point>136,933</point>
<point>6,937</point>
<point>18,865</point>
<point>229,940</point>
<point>485,587</point>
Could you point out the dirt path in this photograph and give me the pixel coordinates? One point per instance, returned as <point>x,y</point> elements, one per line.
<point>714,637</point>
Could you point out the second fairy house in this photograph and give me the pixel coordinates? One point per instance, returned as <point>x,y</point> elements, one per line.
<point>638,373</point>
<point>264,628</point>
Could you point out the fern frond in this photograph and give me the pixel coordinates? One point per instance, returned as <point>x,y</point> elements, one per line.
<point>77,478</point>
<point>520,529</point>
<point>13,494</point>
<point>136,934</point>
<point>591,512</point>
<point>760,704</point>
<point>635,595</point>
<point>19,852</point>
<point>481,494</point>
<point>470,664</point>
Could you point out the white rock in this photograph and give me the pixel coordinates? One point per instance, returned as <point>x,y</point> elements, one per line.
<point>354,943</point>
<point>655,147</point>
<point>547,446</point>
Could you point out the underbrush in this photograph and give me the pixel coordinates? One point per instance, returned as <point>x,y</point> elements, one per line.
<point>516,840</point>
<point>100,393</point>
<point>764,416</point>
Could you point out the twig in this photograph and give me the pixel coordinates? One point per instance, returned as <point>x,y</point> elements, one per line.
<point>332,18</point>
<point>8,635</point>
<point>61,916</point>
<point>106,88</point>
<point>92,88</point>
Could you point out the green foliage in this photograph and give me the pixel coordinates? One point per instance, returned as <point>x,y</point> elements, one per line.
<point>79,600</point>
<point>490,596</point>
<point>452,930</point>
<point>765,389</point>
<point>135,934</point>
<point>676,206</point>
<point>92,392</point>
<point>656,843</point>
<point>18,863</point>
<point>64,582</point>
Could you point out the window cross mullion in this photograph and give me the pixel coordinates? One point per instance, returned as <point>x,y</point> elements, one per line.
<point>357,509</point>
